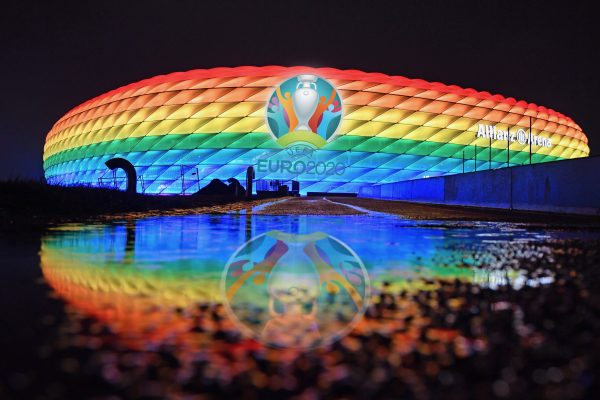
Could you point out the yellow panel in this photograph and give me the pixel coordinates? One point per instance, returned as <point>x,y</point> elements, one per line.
<point>567,153</point>
<point>213,110</point>
<point>347,125</point>
<point>79,129</point>
<point>109,121</point>
<point>417,118</point>
<point>187,110</point>
<point>162,112</point>
<point>242,110</point>
<point>481,142</point>
<point>370,128</point>
<point>440,121</point>
<point>499,144</point>
<point>349,109</point>
<point>260,111</point>
<point>247,124</point>
<point>463,124</point>
<point>543,150</point>
<point>164,127</point>
<point>577,154</point>
<point>365,113</point>
<point>262,128</point>
<point>78,141</point>
<point>515,146</point>
<point>397,131</point>
<point>97,123</point>
<point>564,141</point>
<point>393,115</point>
<point>123,131</point>
<point>141,114</point>
<point>124,118</point>
<point>143,128</point>
<point>106,135</point>
<point>192,125</point>
<point>218,125</point>
<point>421,133</point>
<point>447,136</point>
<point>582,146</point>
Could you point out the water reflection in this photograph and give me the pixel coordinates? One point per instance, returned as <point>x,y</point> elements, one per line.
<point>144,278</point>
<point>144,310</point>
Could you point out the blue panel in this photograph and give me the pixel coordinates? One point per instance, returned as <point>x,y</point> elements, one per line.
<point>223,156</point>
<point>172,157</point>
<point>375,160</point>
<point>197,156</point>
<point>150,157</point>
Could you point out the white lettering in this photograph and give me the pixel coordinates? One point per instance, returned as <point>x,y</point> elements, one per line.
<point>481,131</point>
<point>521,136</point>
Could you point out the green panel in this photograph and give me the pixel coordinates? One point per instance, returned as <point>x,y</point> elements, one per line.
<point>374,144</point>
<point>90,150</point>
<point>220,140</point>
<point>100,150</point>
<point>192,141</point>
<point>519,158</point>
<point>146,143</point>
<point>400,146</point>
<point>499,155</point>
<point>448,150</point>
<point>270,143</point>
<point>122,145</point>
<point>250,140</point>
<point>551,158</point>
<point>344,142</point>
<point>424,148</point>
<point>168,142</point>
<point>537,158</point>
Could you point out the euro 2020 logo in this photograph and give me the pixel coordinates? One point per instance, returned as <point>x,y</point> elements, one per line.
<point>305,109</point>
<point>295,291</point>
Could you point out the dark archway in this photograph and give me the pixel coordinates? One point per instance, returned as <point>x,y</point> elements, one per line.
<point>129,169</point>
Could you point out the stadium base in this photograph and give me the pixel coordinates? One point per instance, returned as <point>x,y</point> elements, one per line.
<point>567,187</point>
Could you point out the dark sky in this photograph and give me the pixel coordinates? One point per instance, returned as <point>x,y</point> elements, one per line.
<point>56,55</point>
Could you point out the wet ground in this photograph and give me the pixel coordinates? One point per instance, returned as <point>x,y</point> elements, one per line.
<point>131,307</point>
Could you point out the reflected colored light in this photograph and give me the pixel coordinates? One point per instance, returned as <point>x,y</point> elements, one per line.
<point>184,129</point>
<point>146,279</point>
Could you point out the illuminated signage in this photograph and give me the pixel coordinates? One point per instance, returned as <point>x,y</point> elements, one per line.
<point>303,114</point>
<point>520,136</point>
<point>304,109</point>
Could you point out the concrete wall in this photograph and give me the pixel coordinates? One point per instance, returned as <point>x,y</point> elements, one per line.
<point>568,186</point>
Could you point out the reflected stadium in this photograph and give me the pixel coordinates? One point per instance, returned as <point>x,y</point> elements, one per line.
<point>351,129</point>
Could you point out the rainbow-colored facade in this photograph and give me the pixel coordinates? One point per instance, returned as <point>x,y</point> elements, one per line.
<point>182,130</point>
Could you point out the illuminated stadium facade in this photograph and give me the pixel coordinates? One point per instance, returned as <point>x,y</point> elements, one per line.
<point>331,130</point>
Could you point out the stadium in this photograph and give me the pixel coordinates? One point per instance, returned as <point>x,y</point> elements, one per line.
<point>330,130</point>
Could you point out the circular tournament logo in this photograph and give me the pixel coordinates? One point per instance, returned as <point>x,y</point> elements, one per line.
<point>296,291</point>
<point>305,108</point>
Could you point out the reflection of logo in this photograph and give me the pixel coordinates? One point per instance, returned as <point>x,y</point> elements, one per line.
<point>300,291</point>
<point>305,108</point>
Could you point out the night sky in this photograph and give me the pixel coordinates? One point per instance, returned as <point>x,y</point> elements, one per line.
<point>56,55</point>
